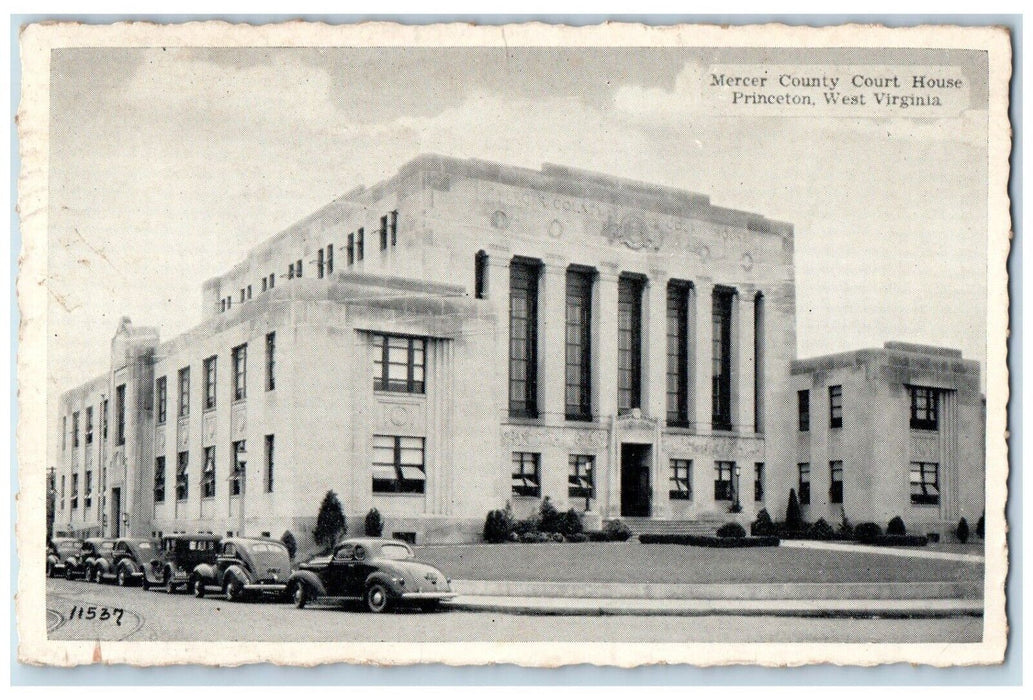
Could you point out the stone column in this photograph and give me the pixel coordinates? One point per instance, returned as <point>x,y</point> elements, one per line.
<point>552,350</point>
<point>950,500</point>
<point>701,324</point>
<point>604,382</point>
<point>743,370</point>
<point>654,370</point>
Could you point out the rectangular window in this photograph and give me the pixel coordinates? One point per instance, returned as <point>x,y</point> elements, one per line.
<point>678,354</point>
<point>161,391</point>
<point>265,284</point>
<point>89,425</point>
<point>480,275</point>
<point>240,372</point>
<point>722,359</point>
<point>104,420</point>
<point>394,228</point>
<point>581,476</point>
<point>184,392</point>
<point>399,363</point>
<point>629,343</point>
<point>62,492</point>
<point>803,409</point>
<point>182,485</point>
<point>249,291</point>
<point>383,232</point>
<point>758,482</point>
<point>120,414</point>
<point>723,487</point>
<point>579,345</point>
<point>320,263</point>
<point>64,433</point>
<point>270,361</point>
<point>925,484</point>
<point>270,447</point>
<point>290,271</point>
<point>75,492</point>
<point>526,474</point>
<point>836,406</point>
<point>804,483</point>
<point>237,468</point>
<point>159,479</point>
<point>681,480</point>
<point>836,481</point>
<point>297,268</point>
<point>208,473</point>
<point>523,339</point>
<point>329,259</point>
<point>398,464</point>
<point>351,248</point>
<point>75,429</point>
<point>209,382</point>
<point>241,295</point>
<point>87,499</point>
<point>923,408</point>
<point>360,244</point>
<point>272,280</point>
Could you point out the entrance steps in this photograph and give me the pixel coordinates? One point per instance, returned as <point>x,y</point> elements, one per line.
<point>654,526</point>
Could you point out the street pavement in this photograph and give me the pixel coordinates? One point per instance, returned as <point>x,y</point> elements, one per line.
<point>135,615</point>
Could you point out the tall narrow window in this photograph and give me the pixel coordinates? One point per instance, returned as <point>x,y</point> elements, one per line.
<point>722,359</point>
<point>758,482</point>
<point>523,339</point>
<point>162,399</point>
<point>678,354</point>
<point>526,476</point>
<point>581,476</point>
<point>925,484</point>
<point>182,485</point>
<point>290,271</point>
<point>723,487</point>
<point>89,425</point>
<point>836,406</point>
<point>104,420</point>
<point>208,474</point>
<point>399,363</point>
<point>240,372</point>
<point>62,492</point>
<point>74,500</point>
<point>351,248</point>
<point>803,409</point>
<point>360,244</point>
<point>184,392</point>
<point>209,382</point>
<point>270,447</point>
<point>265,284</point>
<point>758,363</point>
<point>629,343</point>
<point>579,345</point>
<point>120,414</point>
<point>272,280</point>
<point>64,433</point>
<point>383,232</point>
<point>320,263</point>
<point>159,479</point>
<point>241,295</point>
<point>836,481</point>
<point>270,361</point>
<point>394,228</point>
<point>75,429</point>
<point>237,468</point>
<point>87,499</point>
<point>398,464</point>
<point>923,408</point>
<point>330,259</point>
<point>249,291</point>
<point>804,470</point>
<point>681,480</point>
<point>480,275</point>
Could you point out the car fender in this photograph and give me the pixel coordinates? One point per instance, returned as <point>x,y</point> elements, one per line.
<point>381,577</point>
<point>131,567</point>
<point>72,563</point>
<point>53,560</point>
<point>206,573</point>
<point>310,580</point>
<point>102,564</point>
<point>238,572</point>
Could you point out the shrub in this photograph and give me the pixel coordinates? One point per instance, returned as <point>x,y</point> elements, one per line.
<point>962,531</point>
<point>731,530</point>
<point>570,523</point>
<point>900,541</point>
<point>794,516</point>
<point>578,537</point>
<point>331,524</point>
<point>867,532</point>
<point>557,537</point>
<point>498,526</point>
<point>846,530</point>
<point>981,527</point>
<point>549,519</point>
<point>896,526</point>
<point>534,537</point>
<point>374,524</point>
<point>513,537</point>
<point>617,531</point>
<point>707,541</point>
<point>289,541</point>
<point>597,536</point>
<point>821,530</point>
<point>762,526</point>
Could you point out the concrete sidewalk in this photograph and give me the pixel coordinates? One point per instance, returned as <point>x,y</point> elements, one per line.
<point>914,553</point>
<point>527,605</point>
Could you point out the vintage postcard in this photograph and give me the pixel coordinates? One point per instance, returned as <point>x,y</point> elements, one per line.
<point>518,344</point>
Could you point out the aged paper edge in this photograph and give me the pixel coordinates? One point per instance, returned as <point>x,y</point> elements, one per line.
<point>32,120</point>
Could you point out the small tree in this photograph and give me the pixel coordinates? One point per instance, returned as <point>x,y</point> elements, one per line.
<point>570,523</point>
<point>330,523</point>
<point>289,542</point>
<point>896,526</point>
<point>962,531</point>
<point>762,526</point>
<point>794,516</point>
<point>374,524</point>
<point>549,517</point>
<point>981,527</point>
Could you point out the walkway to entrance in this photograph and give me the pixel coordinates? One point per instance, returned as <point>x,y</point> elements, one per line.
<point>891,551</point>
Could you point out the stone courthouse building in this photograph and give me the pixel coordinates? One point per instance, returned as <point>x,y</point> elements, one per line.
<point>467,334</point>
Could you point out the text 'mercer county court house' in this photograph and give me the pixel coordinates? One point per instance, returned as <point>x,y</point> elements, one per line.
<point>468,333</point>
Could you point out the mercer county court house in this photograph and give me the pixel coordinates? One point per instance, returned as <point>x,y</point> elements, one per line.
<point>467,334</point>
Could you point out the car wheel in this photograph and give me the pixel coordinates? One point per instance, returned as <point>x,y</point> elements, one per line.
<point>378,599</point>
<point>299,595</point>
<point>144,583</point>
<point>50,569</point>
<point>170,585</point>
<point>197,588</point>
<point>234,589</point>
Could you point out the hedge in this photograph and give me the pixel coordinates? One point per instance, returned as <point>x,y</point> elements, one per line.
<point>899,541</point>
<point>708,541</point>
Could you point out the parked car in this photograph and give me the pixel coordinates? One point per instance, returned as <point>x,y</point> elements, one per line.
<point>126,563</point>
<point>380,572</point>
<point>96,557</point>
<point>171,567</point>
<point>244,565</point>
<point>59,551</point>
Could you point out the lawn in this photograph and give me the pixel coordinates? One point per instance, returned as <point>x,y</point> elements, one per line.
<point>631,562</point>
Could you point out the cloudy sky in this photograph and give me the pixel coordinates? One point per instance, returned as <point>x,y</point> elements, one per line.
<point>167,165</point>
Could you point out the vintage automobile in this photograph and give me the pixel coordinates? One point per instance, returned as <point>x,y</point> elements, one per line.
<point>96,556</point>
<point>126,560</point>
<point>59,551</point>
<point>244,565</point>
<point>380,572</point>
<point>171,567</point>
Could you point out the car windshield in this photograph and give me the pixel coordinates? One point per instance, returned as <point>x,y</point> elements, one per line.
<point>395,551</point>
<point>67,546</point>
<point>267,547</point>
<point>144,546</point>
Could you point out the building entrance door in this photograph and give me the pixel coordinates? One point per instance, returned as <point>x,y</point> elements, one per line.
<point>635,487</point>
<point>116,512</point>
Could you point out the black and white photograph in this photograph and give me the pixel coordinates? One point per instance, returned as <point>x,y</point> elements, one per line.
<point>529,344</point>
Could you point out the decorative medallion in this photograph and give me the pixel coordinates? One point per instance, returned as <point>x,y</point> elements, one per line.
<point>499,220</point>
<point>556,228</point>
<point>704,253</point>
<point>399,416</point>
<point>632,231</point>
<point>747,262</point>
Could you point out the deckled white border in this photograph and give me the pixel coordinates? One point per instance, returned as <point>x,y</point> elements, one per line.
<point>33,119</point>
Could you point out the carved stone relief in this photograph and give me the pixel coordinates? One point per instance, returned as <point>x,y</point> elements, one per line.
<point>567,438</point>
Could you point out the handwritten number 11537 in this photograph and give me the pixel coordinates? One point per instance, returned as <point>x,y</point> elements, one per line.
<point>93,612</point>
